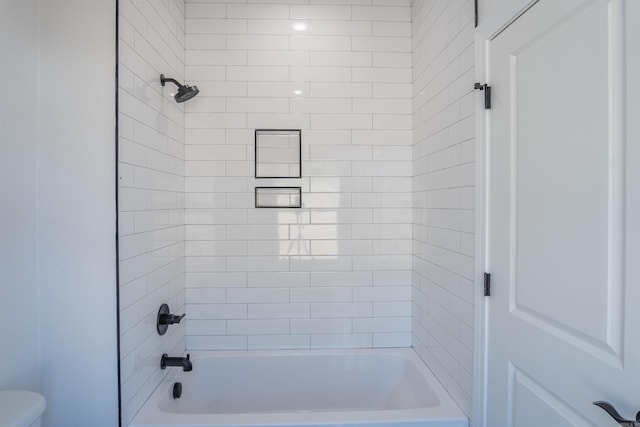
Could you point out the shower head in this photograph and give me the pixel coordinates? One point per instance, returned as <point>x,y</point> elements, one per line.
<point>185,92</point>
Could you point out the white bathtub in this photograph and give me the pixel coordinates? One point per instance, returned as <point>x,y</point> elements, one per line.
<point>385,388</point>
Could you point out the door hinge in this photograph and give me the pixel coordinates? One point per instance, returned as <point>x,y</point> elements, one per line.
<point>487,284</point>
<point>487,94</point>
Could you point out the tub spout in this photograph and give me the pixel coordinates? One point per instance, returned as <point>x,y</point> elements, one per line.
<point>183,362</point>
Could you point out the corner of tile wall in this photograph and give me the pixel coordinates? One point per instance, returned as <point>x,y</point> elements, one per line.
<point>444,191</point>
<point>150,193</point>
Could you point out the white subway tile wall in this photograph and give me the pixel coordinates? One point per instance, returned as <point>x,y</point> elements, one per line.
<point>444,191</point>
<point>151,192</point>
<point>337,272</point>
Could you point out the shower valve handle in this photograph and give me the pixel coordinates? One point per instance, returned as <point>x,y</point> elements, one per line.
<point>609,409</point>
<point>170,319</point>
<point>165,318</point>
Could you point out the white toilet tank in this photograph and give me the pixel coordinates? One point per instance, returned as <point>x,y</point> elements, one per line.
<point>20,408</point>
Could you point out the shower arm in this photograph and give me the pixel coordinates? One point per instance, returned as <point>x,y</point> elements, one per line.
<point>164,79</point>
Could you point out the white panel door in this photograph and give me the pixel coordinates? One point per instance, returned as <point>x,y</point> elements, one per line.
<point>564,314</point>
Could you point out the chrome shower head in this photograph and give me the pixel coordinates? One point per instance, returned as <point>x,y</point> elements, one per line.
<point>185,92</point>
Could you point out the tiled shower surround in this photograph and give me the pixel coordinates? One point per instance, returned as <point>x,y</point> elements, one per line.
<point>381,252</point>
<point>337,272</point>
<point>444,191</point>
<point>151,192</point>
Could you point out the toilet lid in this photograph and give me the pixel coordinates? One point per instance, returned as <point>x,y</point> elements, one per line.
<point>20,408</point>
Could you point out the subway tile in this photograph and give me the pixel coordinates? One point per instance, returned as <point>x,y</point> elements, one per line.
<point>217,343</point>
<point>342,216</point>
<point>257,105</point>
<point>205,10</point>
<point>267,216</point>
<point>215,248</point>
<point>257,42</point>
<point>258,327</point>
<point>258,11</point>
<point>341,184</point>
<point>341,341</point>
<point>214,152</point>
<point>206,327</point>
<point>381,137</point>
<point>282,248</point>
<point>341,121</point>
<point>340,90</point>
<point>326,12</point>
<point>205,296</point>
<point>391,121</point>
<point>380,168</point>
<point>215,57</point>
<point>320,74</point>
<point>324,294</point>
<point>319,43</point>
<point>392,247</point>
<point>215,120</point>
<point>274,58</point>
<point>205,232</point>
<point>381,44</point>
<point>278,311</point>
<point>257,263</point>
<point>392,153</point>
<point>274,26</point>
<point>216,280</point>
<point>321,326</point>
<point>391,90</point>
<point>342,278</point>
<point>382,75</point>
<point>278,89</point>
<point>382,293</point>
<point>205,136</point>
<point>380,13</point>
<point>320,105</point>
<point>258,295</point>
<point>331,232</point>
<point>331,137</point>
<point>214,184</point>
<point>279,279</point>
<point>216,26</point>
<point>278,121</point>
<point>391,60</point>
<point>205,264</point>
<point>395,339</point>
<point>217,311</point>
<point>206,104</point>
<point>393,29</point>
<point>346,309</point>
<point>341,153</point>
<point>382,106</point>
<point>340,28</point>
<point>382,325</point>
<point>205,41</point>
<point>257,74</point>
<point>278,342</point>
<point>320,263</point>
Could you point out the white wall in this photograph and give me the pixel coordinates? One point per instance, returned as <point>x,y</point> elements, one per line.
<point>336,273</point>
<point>444,103</point>
<point>76,212</point>
<point>19,362</point>
<point>151,192</point>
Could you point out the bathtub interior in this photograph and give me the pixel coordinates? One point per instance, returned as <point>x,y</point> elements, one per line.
<point>301,382</point>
